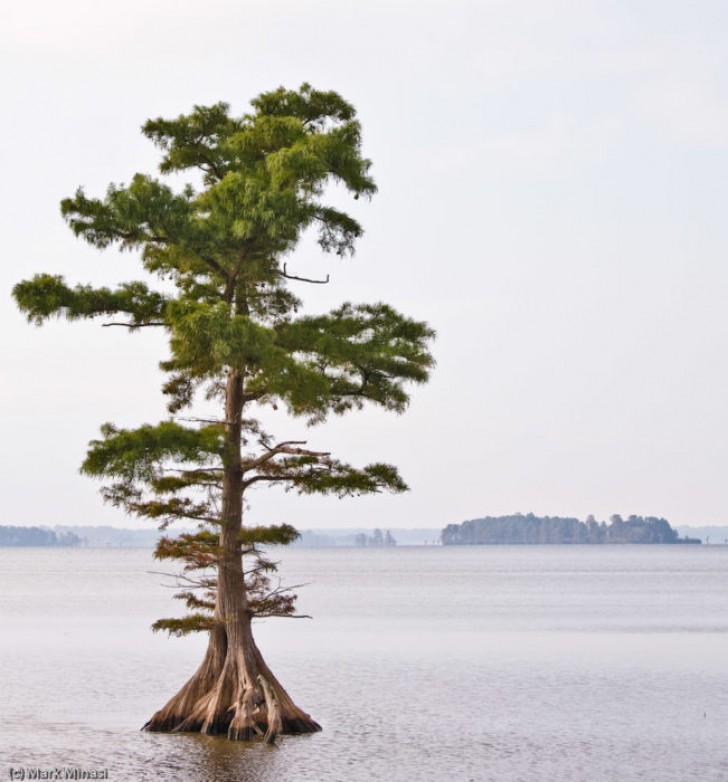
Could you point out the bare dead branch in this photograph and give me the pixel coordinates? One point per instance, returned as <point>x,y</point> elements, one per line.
<point>288,276</point>
<point>285,448</point>
<point>133,326</point>
<point>194,471</point>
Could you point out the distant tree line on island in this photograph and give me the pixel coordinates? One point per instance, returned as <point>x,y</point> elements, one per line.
<point>531,529</point>
<point>377,540</point>
<point>36,536</point>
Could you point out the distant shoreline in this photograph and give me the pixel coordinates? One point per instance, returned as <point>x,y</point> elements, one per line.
<point>77,536</point>
<point>108,537</point>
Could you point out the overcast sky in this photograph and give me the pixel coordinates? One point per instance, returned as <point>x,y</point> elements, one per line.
<point>553,182</point>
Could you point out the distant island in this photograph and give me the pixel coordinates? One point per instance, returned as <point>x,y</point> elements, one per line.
<point>78,536</point>
<point>36,536</point>
<point>338,538</point>
<point>530,529</point>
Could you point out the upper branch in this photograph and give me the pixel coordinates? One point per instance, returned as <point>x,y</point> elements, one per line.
<point>45,296</point>
<point>288,276</point>
<point>319,474</point>
<point>133,326</point>
<point>286,448</point>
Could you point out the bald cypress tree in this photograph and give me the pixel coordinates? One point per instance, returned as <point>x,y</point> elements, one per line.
<point>237,338</point>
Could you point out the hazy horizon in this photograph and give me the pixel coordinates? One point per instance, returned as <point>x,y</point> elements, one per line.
<point>140,526</point>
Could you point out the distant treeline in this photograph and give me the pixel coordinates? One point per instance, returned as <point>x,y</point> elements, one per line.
<point>36,536</point>
<point>377,540</point>
<point>530,529</point>
<point>117,537</point>
<point>336,538</point>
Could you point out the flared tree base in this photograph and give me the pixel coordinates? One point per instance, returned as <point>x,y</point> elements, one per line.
<point>233,693</point>
<point>223,727</point>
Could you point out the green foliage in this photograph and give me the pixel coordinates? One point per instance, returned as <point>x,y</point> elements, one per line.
<point>271,535</point>
<point>257,182</point>
<point>179,627</point>
<point>201,551</point>
<point>139,454</point>
<point>357,353</point>
<point>314,474</point>
<point>46,295</point>
<point>198,549</point>
<point>206,337</point>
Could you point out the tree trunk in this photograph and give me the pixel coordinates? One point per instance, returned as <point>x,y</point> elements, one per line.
<point>233,691</point>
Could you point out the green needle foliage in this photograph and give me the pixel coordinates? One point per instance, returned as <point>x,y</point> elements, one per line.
<point>257,183</point>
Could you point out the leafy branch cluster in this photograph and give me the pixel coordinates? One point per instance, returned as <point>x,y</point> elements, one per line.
<point>200,551</point>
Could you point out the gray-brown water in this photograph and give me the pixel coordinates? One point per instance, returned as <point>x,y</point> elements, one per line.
<point>486,663</point>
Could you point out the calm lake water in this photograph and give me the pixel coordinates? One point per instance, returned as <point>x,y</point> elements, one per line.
<point>486,663</point>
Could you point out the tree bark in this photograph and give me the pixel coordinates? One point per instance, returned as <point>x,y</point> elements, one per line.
<point>233,691</point>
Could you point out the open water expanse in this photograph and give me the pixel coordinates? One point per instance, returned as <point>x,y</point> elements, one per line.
<point>499,663</point>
